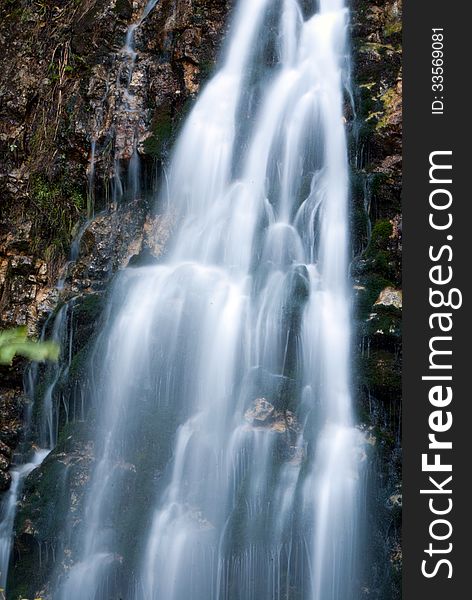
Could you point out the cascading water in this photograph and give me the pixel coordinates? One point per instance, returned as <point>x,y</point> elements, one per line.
<point>40,423</point>
<point>227,462</point>
<point>45,439</point>
<point>39,443</point>
<point>126,119</point>
<point>8,510</point>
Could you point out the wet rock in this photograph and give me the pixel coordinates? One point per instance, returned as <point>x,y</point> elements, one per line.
<point>263,414</point>
<point>11,411</point>
<point>260,411</point>
<point>279,388</point>
<point>52,492</point>
<point>5,479</point>
<point>395,501</point>
<point>5,450</point>
<point>389,296</point>
<point>198,520</point>
<point>65,84</point>
<point>3,463</point>
<point>143,259</point>
<point>368,433</point>
<point>112,241</point>
<point>22,265</point>
<point>396,557</point>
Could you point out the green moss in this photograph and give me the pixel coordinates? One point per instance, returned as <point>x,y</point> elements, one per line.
<point>47,193</point>
<point>42,511</point>
<point>384,327</point>
<point>39,391</point>
<point>372,284</point>
<point>85,316</point>
<point>359,219</point>
<point>181,114</point>
<point>78,365</point>
<point>377,48</point>
<point>381,232</point>
<point>89,308</point>
<point>388,99</point>
<point>368,105</point>
<point>379,253</point>
<point>53,72</point>
<point>393,27</point>
<point>162,130</point>
<point>377,182</point>
<point>40,488</point>
<point>382,374</point>
<point>58,205</point>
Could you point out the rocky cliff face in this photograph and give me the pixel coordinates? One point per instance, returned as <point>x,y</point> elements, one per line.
<point>82,120</point>
<point>376,269</point>
<point>76,104</point>
<point>75,107</point>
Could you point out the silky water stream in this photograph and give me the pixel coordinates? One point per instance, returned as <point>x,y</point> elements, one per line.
<point>227,461</point>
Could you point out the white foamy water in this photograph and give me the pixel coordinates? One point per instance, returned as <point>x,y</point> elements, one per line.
<point>225,426</point>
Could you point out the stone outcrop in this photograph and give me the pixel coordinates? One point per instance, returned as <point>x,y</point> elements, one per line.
<point>389,296</point>
<point>64,88</point>
<point>262,415</point>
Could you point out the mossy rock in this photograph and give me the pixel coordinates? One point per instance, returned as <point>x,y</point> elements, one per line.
<point>162,129</point>
<point>72,435</point>
<point>144,259</point>
<point>380,256</point>
<point>40,488</point>
<point>382,375</point>
<point>58,206</point>
<point>386,321</point>
<point>369,286</point>
<point>88,309</point>
<point>381,233</point>
<point>85,317</point>
<point>43,509</point>
<point>359,219</point>
<point>79,364</point>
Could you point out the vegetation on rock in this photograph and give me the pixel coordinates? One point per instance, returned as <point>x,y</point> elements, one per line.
<point>15,342</point>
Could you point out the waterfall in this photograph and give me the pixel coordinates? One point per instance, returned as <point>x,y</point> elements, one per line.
<point>41,414</point>
<point>227,461</point>
<point>36,445</point>
<point>126,118</point>
<point>8,510</point>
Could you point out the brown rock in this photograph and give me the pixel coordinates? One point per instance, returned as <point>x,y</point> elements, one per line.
<point>389,296</point>
<point>260,412</point>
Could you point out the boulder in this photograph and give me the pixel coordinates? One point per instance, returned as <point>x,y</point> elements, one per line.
<point>262,414</point>
<point>390,296</point>
<point>260,411</point>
